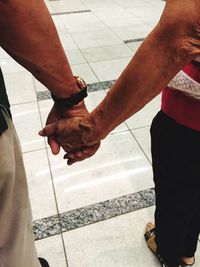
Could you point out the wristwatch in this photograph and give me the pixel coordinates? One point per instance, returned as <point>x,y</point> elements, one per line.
<point>74,99</point>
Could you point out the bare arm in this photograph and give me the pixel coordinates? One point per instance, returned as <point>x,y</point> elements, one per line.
<point>174,42</point>
<point>28,34</point>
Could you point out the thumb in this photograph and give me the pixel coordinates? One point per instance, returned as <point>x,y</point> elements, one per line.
<point>55,148</point>
<point>49,130</point>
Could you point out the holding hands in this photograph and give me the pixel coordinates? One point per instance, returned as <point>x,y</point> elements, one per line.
<point>70,129</point>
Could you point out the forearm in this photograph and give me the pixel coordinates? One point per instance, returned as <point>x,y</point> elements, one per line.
<point>28,34</point>
<point>164,52</point>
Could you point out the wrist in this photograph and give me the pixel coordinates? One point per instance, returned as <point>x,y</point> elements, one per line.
<point>66,90</point>
<point>78,110</point>
<point>92,132</point>
<point>75,98</point>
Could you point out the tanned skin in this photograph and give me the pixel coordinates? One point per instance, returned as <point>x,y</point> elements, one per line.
<point>173,43</point>
<point>28,34</point>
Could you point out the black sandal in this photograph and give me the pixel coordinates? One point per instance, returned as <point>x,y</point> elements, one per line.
<point>188,265</point>
<point>151,234</point>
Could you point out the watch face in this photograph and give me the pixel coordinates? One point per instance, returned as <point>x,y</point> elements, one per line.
<point>80,82</point>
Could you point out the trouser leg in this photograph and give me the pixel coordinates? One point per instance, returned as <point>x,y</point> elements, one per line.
<point>17,248</point>
<point>175,158</point>
<point>192,235</point>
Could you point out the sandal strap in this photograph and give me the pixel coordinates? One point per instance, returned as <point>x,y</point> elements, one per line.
<point>188,265</point>
<point>149,234</point>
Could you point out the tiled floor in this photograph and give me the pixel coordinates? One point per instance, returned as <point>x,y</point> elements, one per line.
<point>106,200</point>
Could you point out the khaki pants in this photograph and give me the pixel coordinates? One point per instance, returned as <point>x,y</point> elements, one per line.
<point>17,248</point>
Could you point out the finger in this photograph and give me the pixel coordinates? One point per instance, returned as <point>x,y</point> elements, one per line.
<point>76,157</point>
<point>55,147</point>
<point>82,153</point>
<point>49,130</point>
<point>91,150</point>
<point>72,161</point>
<point>67,148</point>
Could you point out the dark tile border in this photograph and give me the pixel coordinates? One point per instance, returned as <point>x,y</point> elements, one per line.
<point>93,87</point>
<point>43,95</point>
<point>46,227</point>
<point>106,210</point>
<point>92,214</point>
<point>70,12</point>
<point>134,40</point>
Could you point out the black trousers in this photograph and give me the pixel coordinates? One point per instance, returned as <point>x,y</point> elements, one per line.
<point>176,167</point>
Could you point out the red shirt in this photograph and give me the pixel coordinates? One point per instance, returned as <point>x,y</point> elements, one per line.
<point>181,107</point>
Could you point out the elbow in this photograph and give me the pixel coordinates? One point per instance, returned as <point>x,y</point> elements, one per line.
<point>186,43</point>
<point>191,42</point>
<point>180,34</point>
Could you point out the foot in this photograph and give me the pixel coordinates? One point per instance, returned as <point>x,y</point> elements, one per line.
<point>150,237</point>
<point>43,262</point>
<point>188,261</point>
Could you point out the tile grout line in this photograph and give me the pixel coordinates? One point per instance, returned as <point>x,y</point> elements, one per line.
<point>57,208</point>
<point>89,63</point>
<point>141,18</point>
<point>81,51</point>
<point>54,190</point>
<point>28,102</point>
<point>49,165</point>
<point>63,242</point>
<point>84,58</point>
<point>33,150</point>
<point>64,249</point>
<point>139,144</point>
<point>110,28</point>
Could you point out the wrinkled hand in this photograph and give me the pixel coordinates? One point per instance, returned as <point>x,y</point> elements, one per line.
<point>67,129</point>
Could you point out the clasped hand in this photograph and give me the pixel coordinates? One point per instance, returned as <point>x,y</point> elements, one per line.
<point>70,129</point>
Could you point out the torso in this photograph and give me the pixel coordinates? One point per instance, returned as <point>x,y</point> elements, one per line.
<point>181,98</point>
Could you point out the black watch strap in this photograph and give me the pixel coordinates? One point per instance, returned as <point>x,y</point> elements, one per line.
<point>72,100</point>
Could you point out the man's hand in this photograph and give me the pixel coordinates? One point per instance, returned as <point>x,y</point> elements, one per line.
<point>66,128</point>
<point>58,113</point>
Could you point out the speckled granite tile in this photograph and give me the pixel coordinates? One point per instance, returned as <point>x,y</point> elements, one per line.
<point>92,214</point>
<point>88,215</point>
<point>134,40</point>
<point>139,200</point>
<point>106,210</point>
<point>94,87</point>
<point>100,86</point>
<point>70,12</point>
<point>107,84</point>
<point>46,227</point>
<point>44,95</point>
